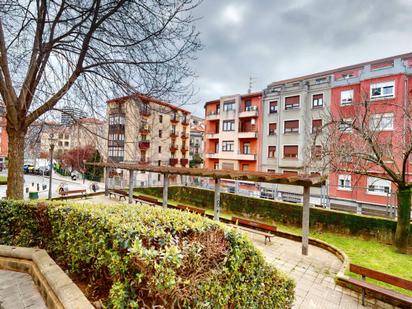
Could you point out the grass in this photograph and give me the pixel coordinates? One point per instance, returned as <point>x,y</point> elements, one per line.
<point>368,253</point>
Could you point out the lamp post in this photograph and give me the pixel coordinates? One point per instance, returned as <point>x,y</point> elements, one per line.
<point>51,165</point>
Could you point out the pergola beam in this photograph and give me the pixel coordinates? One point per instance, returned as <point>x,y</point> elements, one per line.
<point>131,186</point>
<point>305,220</point>
<point>165,189</point>
<point>216,206</point>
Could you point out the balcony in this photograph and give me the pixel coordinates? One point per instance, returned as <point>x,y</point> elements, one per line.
<point>247,134</point>
<point>116,128</point>
<point>214,155</point>
<point>250,111</point>
<point>173,134</point>
<point>212,135</point>
<point>144,129</point>
<point>246,156</point>
<point>213,115</point>
<point>184,162</point>
<point>184,149</point>
<point>184,135</point>
<point>144,161</point>
<point>185,122</point>
<point>173,148</point>
<point>173,161</point>
<point>145,112</point>
<point>174,119</point>
<point>144,145</point>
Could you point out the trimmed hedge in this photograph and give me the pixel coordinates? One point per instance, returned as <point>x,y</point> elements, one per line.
<point>142,256</point>
<point>289,213</point>
<point>3,180</point>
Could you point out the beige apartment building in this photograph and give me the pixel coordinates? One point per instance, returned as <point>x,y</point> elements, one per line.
<point>148,131</point>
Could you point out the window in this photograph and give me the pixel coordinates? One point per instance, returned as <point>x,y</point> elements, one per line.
<point>290,172</point>
<point>381,122</point>
<point>316,152</point>
<point>272,128</point>
<point>228,125</point>
<point>245,167</point>
<point>273,107</point>
<point>320,80</point>
<point>317,101</point>
<point>66,144</point>
<point>228,146</point>
<point>291,126</point>
<point>290,152</point>
<point>60,143</point>
<point>271,151</point>
<point>246,148</point>
<point>60,135</point>
<point>228,166</point>
<point>160,133</point>
<point>346,97</point>
<point>345,125</point>
<point>173,129</point>
<point>383,90</point>
<point>292,102</point>
<point>228,106</point>
<point>316,125</point>
<point>216,166</point>
<point>160,149</point>
<point>161,118</point>
<point>344,182</point>
<point>248,105</point>
<point>66,136</point>
<point>116,119</point>
<point>377,186</point>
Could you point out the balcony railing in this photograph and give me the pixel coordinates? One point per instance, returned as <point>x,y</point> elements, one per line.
<point>249,111</point>
<point>144,161</point>
<point>174,119</point>
<point>173,134</point>
<point>184,148</point>
<point>184,162</point>
<point>173,147</point>
<point>145,112</point>
<point>212,135</point>
<point>144,129</point>
<point>184,135</point>
<point>144,145</point>
<point>173,161</point>
<point>212,115</point>
<point>185,121</point>
<point>247,134</point>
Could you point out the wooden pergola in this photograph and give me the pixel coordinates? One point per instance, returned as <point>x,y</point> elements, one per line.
<point>306,181</point>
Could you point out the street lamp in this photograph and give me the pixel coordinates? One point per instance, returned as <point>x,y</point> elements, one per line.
<point>51,143</point>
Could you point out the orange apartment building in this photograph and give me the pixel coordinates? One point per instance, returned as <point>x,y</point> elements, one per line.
<point>233,132</point>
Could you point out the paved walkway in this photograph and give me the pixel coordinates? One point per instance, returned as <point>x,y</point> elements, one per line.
<point>314,275</point>
<point>18,291</point>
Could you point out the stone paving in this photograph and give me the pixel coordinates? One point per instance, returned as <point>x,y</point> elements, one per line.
<point>314,275</point>
<point>18,291</point>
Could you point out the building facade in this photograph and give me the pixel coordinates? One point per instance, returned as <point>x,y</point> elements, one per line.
<point>197,135</point>
<point>148,131</point>
<point>233,130</point>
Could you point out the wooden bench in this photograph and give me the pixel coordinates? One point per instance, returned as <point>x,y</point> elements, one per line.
<point>146,199</point>
<point>404,300</point>
<point>67,193</point>
<point>120,194</point>
<point>255,227</point>
<point>196,210</point>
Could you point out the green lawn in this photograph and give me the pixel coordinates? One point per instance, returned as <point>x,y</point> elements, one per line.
<point>368,253</point>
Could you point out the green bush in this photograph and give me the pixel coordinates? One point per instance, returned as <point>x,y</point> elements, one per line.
<point>145,256</point>
<point>3,180</point>
<point>289,213</point>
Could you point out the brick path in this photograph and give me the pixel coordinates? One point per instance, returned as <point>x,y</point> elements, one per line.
<point>314,275</point>
<point>18,291</point>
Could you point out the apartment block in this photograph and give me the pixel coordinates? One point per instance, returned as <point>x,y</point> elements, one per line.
<point>293,110</point>
<point>387,85</point>
<point>148,131</point>
<point>233,132</point>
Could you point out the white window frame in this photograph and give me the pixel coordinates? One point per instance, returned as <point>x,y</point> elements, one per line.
<point>229,103</point>
<point>375,122</point>
<point>379,186</point>
<point>381,86</point>
<point>294,107</point>
<point>323,100</point>
<point>346,97</point>
<point>275,131</point>
<point>293,131</point>
<point>348,127</point>
<point>276,109</point>
<point>228,146</point>
<point>345,179</point>
<point>228,125</point>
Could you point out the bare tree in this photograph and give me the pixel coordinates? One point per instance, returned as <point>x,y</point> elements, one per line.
<point>372,138</point>
<point>81,51</point>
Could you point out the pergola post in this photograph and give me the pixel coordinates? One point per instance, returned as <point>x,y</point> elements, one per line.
<point>217,200</point>
<point>131,186</point>
<point>165,189</point>
<point>305,220</point>
<point>106,181</point>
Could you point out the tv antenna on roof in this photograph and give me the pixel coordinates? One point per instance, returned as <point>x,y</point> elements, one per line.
<point>251,79</point>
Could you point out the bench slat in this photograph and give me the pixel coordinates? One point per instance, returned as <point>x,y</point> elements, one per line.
<point>260,225</point>
<point>147,199</point>
<point>370,273</point>
<point>371,287</point>
<point>192,209</point>
<point>71,192</point>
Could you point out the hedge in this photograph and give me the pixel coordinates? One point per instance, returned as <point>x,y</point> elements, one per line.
<point>288,213</point>
<point>3,180</point>
<point>142,256</point>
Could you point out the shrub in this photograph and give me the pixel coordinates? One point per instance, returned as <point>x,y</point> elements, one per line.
<point>289,213</point>
<point>140,256</point>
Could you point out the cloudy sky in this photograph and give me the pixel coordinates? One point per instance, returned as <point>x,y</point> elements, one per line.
<point>276,39</point>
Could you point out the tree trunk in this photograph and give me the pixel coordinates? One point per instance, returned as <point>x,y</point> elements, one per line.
<point>404,217</point>
<point>15,180</point>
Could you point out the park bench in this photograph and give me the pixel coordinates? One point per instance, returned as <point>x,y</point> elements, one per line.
<point>401,299</point>
<point>146,199</point>
<point>70,192</point>
<point>119,194</point>
<point>196,210</point>
<point>255,227</point>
